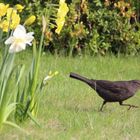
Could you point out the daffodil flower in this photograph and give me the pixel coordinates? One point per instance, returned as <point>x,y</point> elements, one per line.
<point>62,12</point>
<point>49,76</point>
<point>60,22</point>
<point>4,25</point>
<point>19,39</point>
<point>13,18</point>
<point>3,9</point>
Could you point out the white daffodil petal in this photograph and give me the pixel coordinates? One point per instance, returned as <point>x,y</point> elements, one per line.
<point>19,31</point>
<point>30,33</point>
<point>10,40</point>
<point>29,43</point>
<point>12,48</point>
<point>29,38</point>
<point>17,47</point>
<point>47,78</point>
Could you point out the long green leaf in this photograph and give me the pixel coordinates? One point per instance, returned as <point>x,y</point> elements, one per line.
<point>8,110</point>
<point>16,126</point>
<point>20,73</point>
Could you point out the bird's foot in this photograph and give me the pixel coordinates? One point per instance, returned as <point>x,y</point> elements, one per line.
<point>132,106</point>
<point>101,110</point>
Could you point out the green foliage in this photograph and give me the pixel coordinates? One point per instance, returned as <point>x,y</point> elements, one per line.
<point>8,94</point>
<point>136,5</point>
<point>96,27</point>
<point>25,96</point>
<point>29,95</point>
<point>114,32</point>
<point>99,29</point>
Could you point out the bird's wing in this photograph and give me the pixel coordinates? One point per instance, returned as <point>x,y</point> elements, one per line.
<point>117,87</point>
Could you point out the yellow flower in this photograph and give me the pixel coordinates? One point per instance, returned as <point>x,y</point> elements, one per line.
<point>4,25</point>
<point>3,9</point>
<point>10,20</point>
<point>62,12</point>
<point>15,21</point>
<point>13,18</point>
<point>49,76</point>
<point>56,73</point>
<point>11,12</point>
<point>19,7</point>
<point>30,20</point>
<point>60,22</point>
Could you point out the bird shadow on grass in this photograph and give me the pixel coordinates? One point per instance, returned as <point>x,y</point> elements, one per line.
<point>107,109</point>
<point>78,108</point>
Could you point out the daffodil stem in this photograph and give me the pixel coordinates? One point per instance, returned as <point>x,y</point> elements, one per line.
<point>36,71</point>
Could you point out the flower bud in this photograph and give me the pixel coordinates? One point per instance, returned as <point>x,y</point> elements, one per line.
<point>30,20</point>
<point>19,7</point>
<point>44,24</point>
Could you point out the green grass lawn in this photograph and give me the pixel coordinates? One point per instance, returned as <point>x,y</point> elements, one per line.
<point>69,109</point>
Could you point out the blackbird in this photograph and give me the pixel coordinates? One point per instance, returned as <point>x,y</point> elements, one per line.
<point>111,91</point>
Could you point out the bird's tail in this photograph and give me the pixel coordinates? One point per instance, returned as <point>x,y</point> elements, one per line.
<point>79,77</point>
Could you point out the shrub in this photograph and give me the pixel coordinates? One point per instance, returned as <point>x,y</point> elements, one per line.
<point>91,26</point>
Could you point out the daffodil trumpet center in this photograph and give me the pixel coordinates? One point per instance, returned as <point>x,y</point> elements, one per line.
<point>18,40</point>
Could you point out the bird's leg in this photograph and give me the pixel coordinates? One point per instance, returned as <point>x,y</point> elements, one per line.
<point>104,102</point>
<point>128,105</point>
